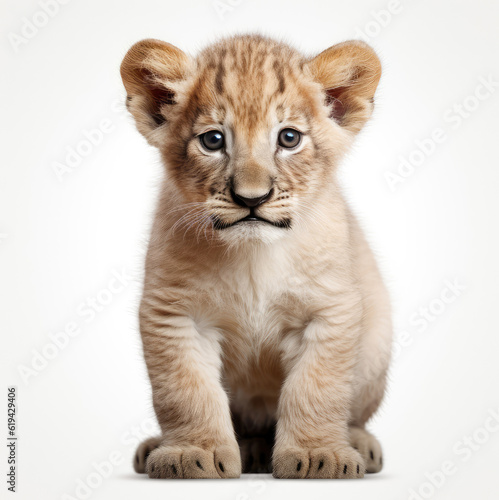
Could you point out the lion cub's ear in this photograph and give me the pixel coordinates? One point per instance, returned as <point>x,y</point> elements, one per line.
<point>349,73</point>
<point>151,72</point>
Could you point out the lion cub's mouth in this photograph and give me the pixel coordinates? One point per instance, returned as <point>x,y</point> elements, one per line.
<point>251,218</point>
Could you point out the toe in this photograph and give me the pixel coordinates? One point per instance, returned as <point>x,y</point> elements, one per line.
<point>143,452</point>
<point>323,464</point>
<point>374,462</point>
<point>369,448</point>
<point>199,464</point>
<point>290,464</point>
<point>351,464</point>
<point>164,463</point>
<point>228,461</point>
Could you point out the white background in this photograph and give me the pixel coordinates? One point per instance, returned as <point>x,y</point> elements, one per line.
<point>61,239</point>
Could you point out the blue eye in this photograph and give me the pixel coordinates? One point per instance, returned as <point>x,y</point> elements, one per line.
<point>289,138</point>
<point>212,140</point>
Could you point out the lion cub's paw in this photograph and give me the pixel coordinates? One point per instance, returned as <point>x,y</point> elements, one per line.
<point>143,451</point>
<point>318,463</point>
<point>368,447</point>
<point>191,462</point>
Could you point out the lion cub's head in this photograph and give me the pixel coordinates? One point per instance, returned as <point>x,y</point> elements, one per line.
<point>250,130</point>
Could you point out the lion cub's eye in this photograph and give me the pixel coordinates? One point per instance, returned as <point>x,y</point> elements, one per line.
<point>289,138</point>
<point>212,140</point>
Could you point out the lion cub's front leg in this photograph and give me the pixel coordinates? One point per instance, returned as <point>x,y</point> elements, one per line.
<point>312,439</point>
<point>192,408</point>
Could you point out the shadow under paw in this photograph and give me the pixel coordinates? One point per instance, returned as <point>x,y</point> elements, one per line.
<point>256,455</point>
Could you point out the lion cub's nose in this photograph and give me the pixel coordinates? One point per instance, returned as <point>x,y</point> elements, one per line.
<point>250,202</point>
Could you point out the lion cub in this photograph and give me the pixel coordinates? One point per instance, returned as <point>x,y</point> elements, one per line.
<point>265,324</point>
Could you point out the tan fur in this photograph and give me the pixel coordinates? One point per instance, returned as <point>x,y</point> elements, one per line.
<point>273,331</point>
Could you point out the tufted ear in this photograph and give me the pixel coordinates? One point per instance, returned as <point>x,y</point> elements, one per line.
<point>151,72</point>
<point>349,73</point>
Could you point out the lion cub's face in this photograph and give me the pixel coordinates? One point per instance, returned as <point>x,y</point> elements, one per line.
<point>250,130</point>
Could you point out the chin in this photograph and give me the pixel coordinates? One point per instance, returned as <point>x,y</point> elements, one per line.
<point>251,232</point>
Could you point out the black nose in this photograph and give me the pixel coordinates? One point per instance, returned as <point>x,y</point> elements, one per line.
<point>250,202</point>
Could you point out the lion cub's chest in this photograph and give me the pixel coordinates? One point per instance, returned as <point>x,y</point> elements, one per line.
<point>259,301</point>
<point>256,312</point>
